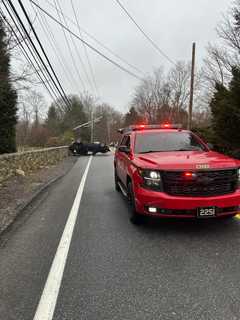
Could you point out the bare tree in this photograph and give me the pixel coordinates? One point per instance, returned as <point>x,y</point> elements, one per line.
<point>23,127</point>
<point>34,105</point>
<point>151,94</point>
<point>32,111</point>
<point>111,120</point>
<point>228,29</point>
<point>179,80</point>
<point>225,54</point>
<point>143,99</point>
<point>161,96</point>
<point>89,103</point>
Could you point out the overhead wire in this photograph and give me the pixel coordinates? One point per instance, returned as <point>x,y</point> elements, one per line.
<point>99,42</point>
<point>44,81</point>
<point>53,43</point>
<point>87,44</point>
<point>53,77</point>
<point>33,21</point>
<point>76,50</point>
<point>86,51</point>
<point>70,50</point>
<point>160,51</point>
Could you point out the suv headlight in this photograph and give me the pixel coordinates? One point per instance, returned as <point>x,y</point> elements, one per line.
<point>151,179</point>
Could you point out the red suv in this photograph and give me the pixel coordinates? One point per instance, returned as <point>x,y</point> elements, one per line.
<point>169,172</point>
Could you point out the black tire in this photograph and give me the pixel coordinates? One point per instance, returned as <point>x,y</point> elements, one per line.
<point>116,181</point>
<point>135,218</point>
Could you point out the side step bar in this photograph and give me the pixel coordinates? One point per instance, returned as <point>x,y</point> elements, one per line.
<point>123,190</point>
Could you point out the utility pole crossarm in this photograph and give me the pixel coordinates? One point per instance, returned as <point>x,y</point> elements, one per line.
<point>86,124</point>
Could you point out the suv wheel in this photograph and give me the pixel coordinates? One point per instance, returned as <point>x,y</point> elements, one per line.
<point>116,180</point>
<point>135,218</point>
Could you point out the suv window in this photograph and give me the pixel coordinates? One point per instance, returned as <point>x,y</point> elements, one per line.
<point>128,141</point>
<point>167,141</point>
<point>125,141</point>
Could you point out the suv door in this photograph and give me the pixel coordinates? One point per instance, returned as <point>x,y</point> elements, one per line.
<point>120,159</point>
<point>125,160</point>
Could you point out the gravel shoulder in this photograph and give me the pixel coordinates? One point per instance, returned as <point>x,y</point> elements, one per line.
<point>17,191</point>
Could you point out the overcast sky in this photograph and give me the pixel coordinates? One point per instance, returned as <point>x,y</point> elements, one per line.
<point>172,24</point>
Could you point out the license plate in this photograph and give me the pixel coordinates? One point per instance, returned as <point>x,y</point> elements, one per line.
<point>206,212</point>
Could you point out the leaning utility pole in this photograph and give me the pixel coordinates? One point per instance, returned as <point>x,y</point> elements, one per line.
<point>92,125</point>
<point>191,87</point>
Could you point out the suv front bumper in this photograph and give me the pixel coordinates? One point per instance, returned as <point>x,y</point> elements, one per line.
<point>184,207</point>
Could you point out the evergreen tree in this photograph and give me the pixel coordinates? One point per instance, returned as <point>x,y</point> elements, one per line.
<point>75,116</point>
<point>233,112</point>
<point>8,99</point>
<point>225,109</point>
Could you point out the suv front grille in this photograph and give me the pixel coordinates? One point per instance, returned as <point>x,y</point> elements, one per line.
<point>205,184</point>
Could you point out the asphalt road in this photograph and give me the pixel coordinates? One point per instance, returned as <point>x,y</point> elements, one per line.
<point>168,270</point>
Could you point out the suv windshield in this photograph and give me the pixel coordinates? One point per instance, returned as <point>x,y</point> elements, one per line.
<point>167,141</point>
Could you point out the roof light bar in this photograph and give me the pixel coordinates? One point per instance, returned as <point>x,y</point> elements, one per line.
<point>149,127</point>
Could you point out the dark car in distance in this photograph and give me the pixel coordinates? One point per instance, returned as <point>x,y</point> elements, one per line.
<point>80,148</point>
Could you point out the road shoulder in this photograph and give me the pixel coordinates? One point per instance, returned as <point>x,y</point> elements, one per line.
<point>19,192</point>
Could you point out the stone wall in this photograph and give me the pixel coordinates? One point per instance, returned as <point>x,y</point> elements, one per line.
<point>29,161</point>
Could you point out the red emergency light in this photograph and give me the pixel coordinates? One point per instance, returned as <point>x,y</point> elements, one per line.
<point>189,175</point>
<point>166,125</point>
<point>149,127</point>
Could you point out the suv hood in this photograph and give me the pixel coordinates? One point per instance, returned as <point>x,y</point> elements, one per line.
<point>185,160</point>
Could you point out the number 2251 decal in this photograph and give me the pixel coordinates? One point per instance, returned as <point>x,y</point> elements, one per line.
<point>202,166</point>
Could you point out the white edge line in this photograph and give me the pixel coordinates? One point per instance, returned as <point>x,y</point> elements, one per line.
<point>48,300</point>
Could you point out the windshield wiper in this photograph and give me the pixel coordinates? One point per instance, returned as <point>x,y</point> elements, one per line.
<point>192,149</point>
<point>151,151</point>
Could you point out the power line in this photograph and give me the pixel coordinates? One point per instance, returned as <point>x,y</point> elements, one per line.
<point>60,91</point>
<point>85,50</point>
<point>50,36</point>
<point>87,44</point>
<point>144,33</point>
<point>70,50</point>
<point>75,47</point>
<point>25,53</point>
<point>30,50</point>
<point>13,47</point>
<point>99,43</point>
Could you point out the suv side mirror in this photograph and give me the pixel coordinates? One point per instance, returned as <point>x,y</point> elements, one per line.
<point>210,146</point>
<point>124,149</point>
